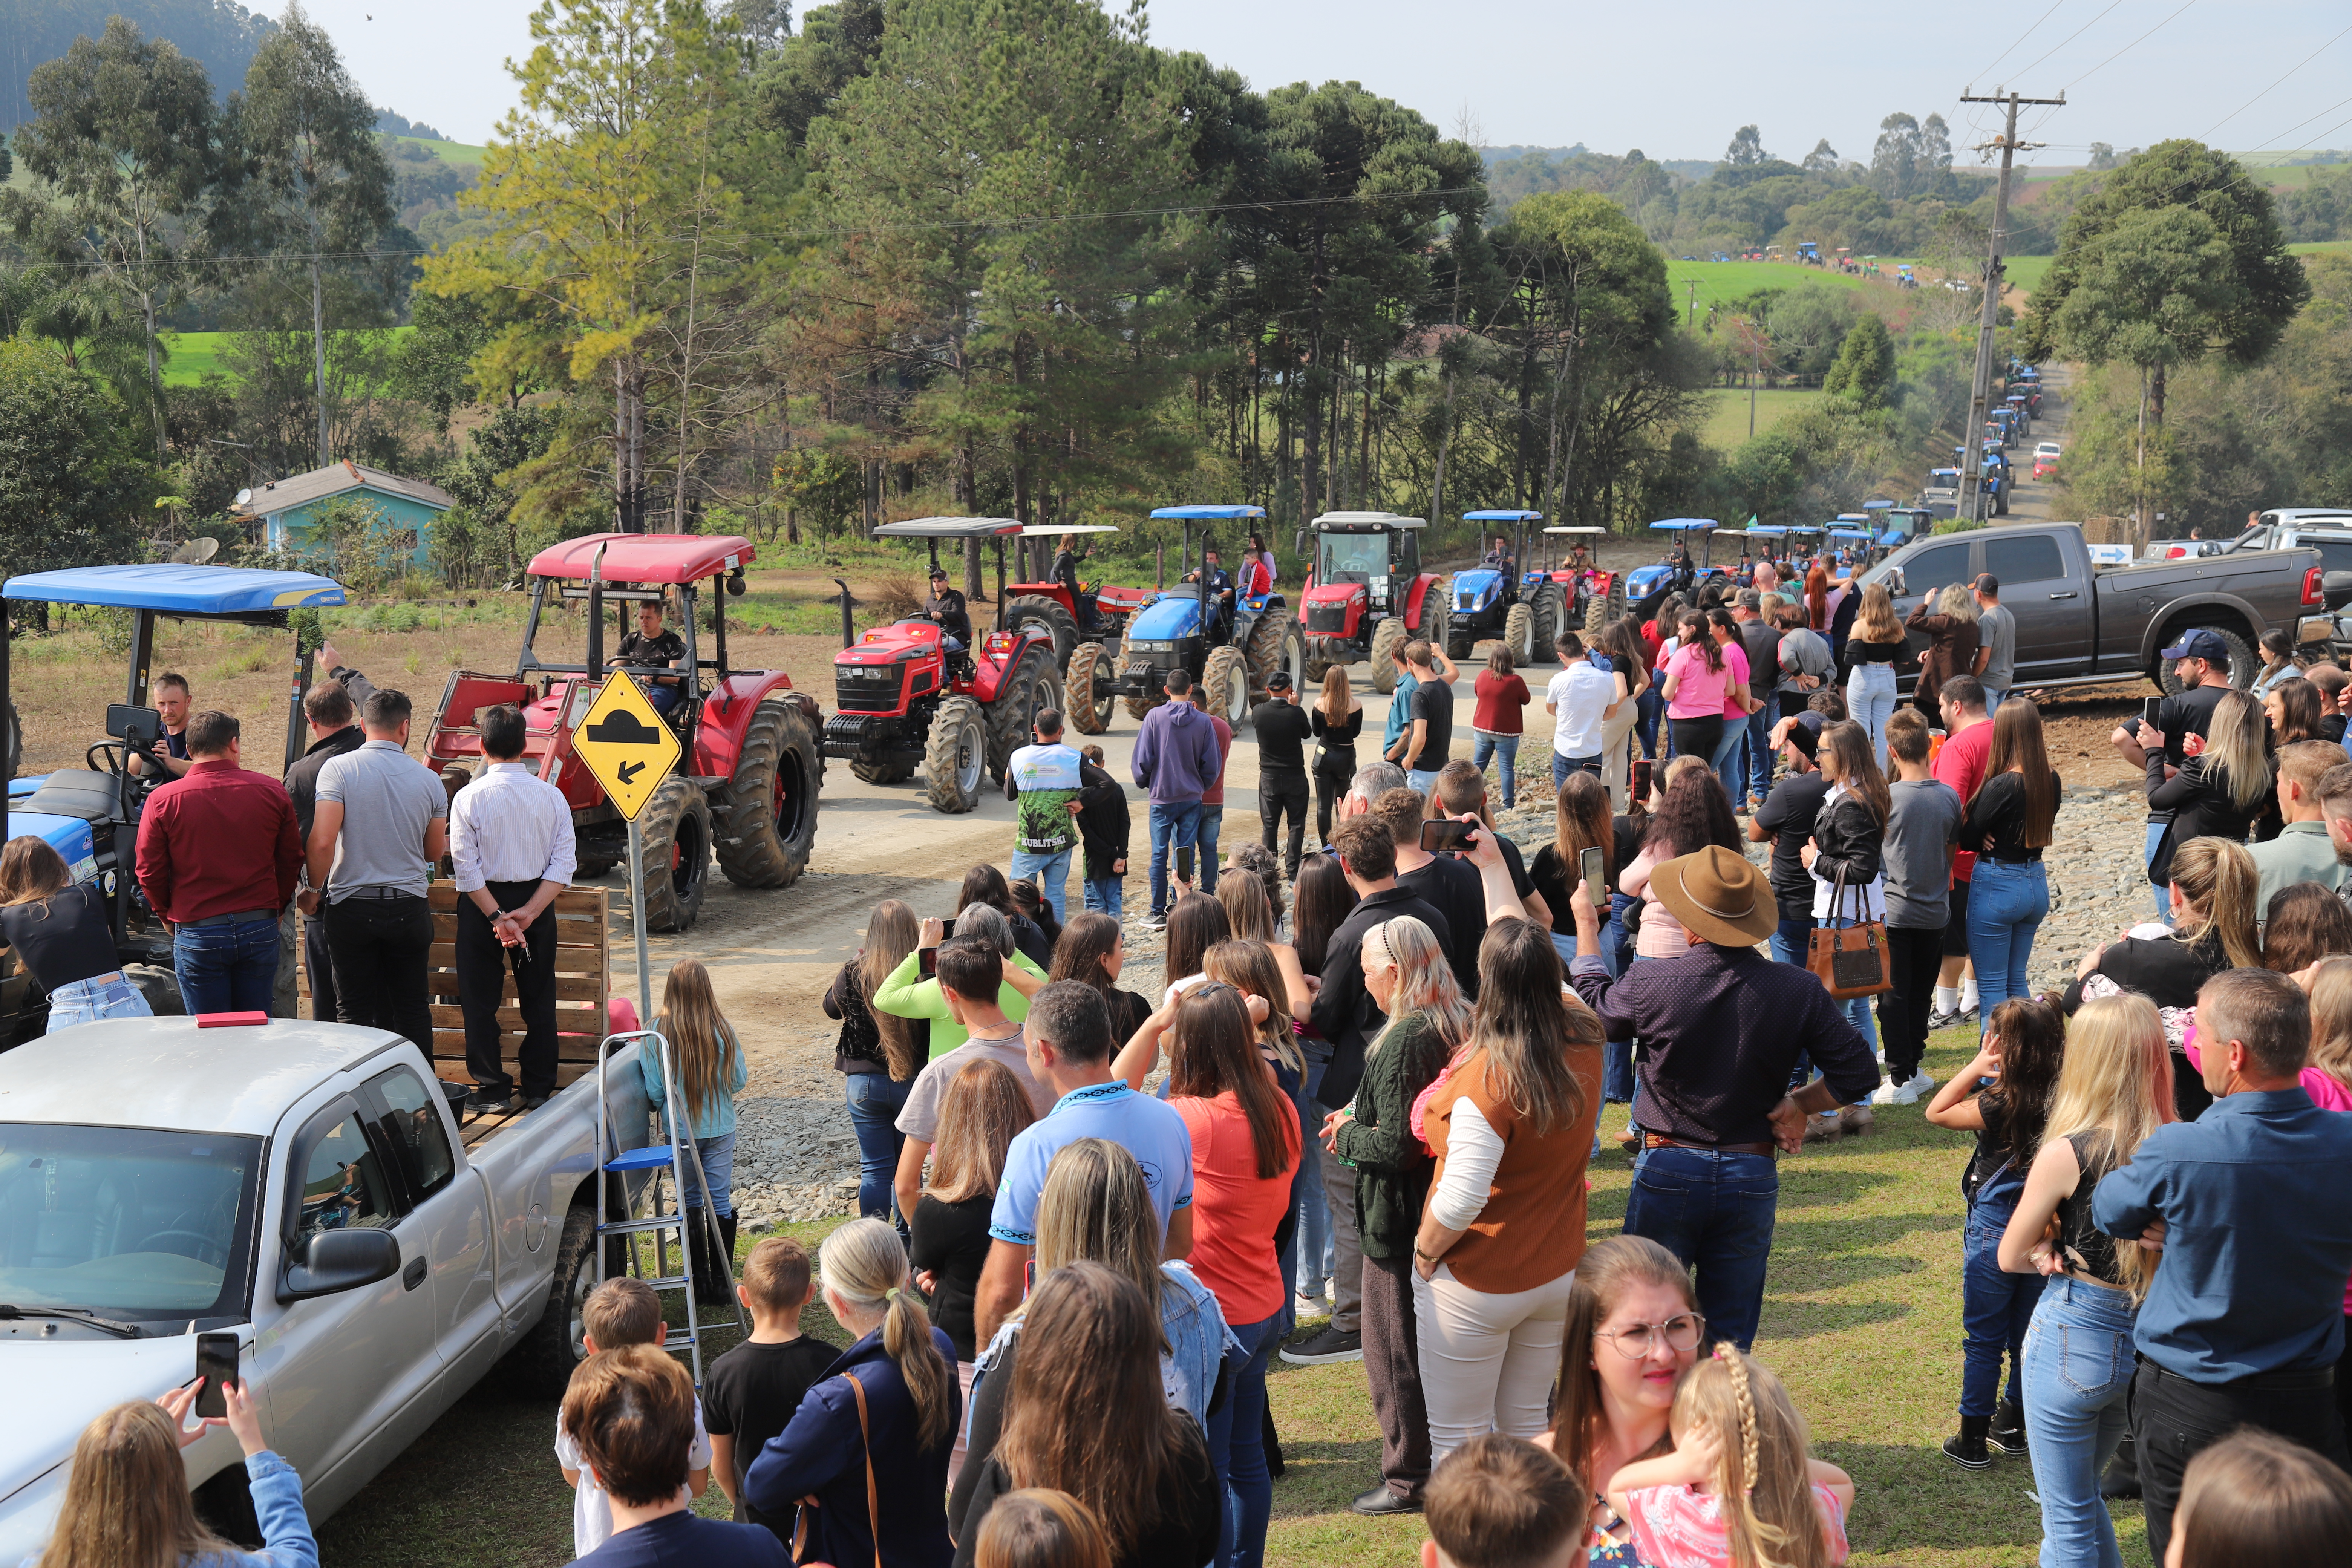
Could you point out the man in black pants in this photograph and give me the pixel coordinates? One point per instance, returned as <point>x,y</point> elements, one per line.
<point>1283,730</point>
<point>510,842</point>
<point>332,710</point>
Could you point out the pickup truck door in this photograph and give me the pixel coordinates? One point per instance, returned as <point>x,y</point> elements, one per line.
<point>1924,575</point>
<point>343,1372</point>
<point>2052,605</point>
<point>447,1226</point>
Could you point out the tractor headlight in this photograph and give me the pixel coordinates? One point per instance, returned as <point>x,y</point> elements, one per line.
<point>1151,647</point>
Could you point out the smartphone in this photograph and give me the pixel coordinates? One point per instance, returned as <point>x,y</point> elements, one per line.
<point>927,963</point>
<point>2148,711</point>
<point>1595,871</point>
<point>217,1365</point>
<point>1642,766</point>
<point>947,929</point>
<point>1440,835</point>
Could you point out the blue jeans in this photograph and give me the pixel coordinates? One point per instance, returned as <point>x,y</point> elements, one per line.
<point>1174,824</point>
<point>1714,1211</point>
<point>1793,939</point>
<point>1870,702</point>
<point>1562,766</point>
<point>227,968</point>
<point>1213,820</point>
<point>87,1001</point>
<point>1052,873</point>
<point>1995,1308</point>
<point>1106,896</point>
<point>1648,709</point>
<point>1616,947</point>
<point>717,1157</point>
<point>1759,750</point>
<point>1729,760</point>
<point>1994,697</point>
<point>2147,858</point>
<point>2078,1372</point>
<point>875,1101</point>
<point>1423,779</point>
<point>1237,1447</point>
<point>1506,748</point>
<point>1617,1072</point>
<point>2006,905</point>
<point>1312,1237</point>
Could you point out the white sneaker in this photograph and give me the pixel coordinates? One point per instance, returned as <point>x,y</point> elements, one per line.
<point>1887,1094</point>
<point>1905,1094</point>
<point>1921,1083</point>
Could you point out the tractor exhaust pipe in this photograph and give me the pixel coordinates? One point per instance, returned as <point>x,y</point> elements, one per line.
<point>596,613</point>
<point>848,634</point>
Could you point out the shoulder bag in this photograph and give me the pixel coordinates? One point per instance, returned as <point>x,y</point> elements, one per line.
<point>872,1500</point>
<point>1853,960</point>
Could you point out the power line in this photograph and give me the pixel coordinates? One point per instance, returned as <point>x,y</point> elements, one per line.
<point>2274,86</point>
<point>2070,37</point>
<point>2020,39</point>
<point>2134,44</point>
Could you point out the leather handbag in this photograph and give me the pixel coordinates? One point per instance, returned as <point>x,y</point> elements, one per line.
<point>1851,961</point>
<point>872,1500</point>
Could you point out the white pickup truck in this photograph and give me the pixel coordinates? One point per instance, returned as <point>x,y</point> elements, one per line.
<point>305,1186</point>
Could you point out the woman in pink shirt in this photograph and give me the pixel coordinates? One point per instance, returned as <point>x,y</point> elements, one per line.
<point>1697,688</point>
<point>1737,703</point>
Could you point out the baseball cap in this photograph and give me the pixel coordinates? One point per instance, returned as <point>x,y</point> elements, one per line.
<point>1988,584</point>
<point>2198,642</point>
<point>1279,681</point>
<point>1751,598</point>
<point>938,573</point>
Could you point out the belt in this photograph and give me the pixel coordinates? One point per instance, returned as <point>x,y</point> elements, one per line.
<point>2005,860</point>
<point>2263,1381</point>
<point>1659,1141</point>
<point>377,893</point>
<point>238,918</point>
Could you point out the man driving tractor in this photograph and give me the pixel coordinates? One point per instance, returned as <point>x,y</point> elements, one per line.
<point>1500,558</point>
<point>653,647</point>
<point>1217,590</point>
<point>946,607</point>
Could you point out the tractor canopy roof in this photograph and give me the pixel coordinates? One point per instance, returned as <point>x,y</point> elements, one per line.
<point>1209,513</point>
<point>645,557</point>
<point>1876,505</point>
<point>1364,521</point>
<point>188,590</point>
<point>1861,533</point>
<point>1687,525</point>
<point>1054,531</point>
<point>1765,532</point>
<point>1586,527</point>
<point>1502,517</point>
<point>951,527</point>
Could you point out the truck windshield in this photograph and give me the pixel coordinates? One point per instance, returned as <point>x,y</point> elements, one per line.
<point>131,1222</point>
<point>1352,558</point>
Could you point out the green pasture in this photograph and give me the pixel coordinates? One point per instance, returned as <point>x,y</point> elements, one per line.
<point>448,151</point>
<point>196,354</point>
<point>1719,282</point>
<point>1726,415</point>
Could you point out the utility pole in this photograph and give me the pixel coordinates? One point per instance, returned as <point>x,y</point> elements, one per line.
<point>1694,304</point>
<point>1980,389</point>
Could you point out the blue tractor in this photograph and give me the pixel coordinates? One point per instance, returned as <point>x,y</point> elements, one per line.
<point>1228,642</point>
<point>1647,586</point>
<point>1502,597</point>
<point>90,815</point>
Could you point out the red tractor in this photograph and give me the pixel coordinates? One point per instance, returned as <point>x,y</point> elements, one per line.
<point>1595,598</point>
<point>748,785</point>
<point>1367,595</point>
<point>1093,615</point>
<point>905,698</point>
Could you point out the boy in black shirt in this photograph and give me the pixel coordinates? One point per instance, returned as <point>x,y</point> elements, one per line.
<point>751,1392</point>
<point>652,647</point>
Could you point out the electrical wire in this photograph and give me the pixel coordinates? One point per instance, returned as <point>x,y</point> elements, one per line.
<point>2070,37</point>
<point>2274,86</point>
<point>2020,39</point>
<point>2133,45</point>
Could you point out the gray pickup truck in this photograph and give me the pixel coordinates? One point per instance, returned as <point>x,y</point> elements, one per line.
<point>306,1187</point>
<point>2079,624</point>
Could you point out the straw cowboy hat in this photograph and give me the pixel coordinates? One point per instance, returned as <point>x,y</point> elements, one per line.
<point>1718,897</point>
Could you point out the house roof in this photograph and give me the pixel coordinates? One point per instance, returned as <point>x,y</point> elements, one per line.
<point>334,479</point>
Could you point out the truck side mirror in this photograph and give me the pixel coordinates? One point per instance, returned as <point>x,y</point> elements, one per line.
<point>330,1261</point>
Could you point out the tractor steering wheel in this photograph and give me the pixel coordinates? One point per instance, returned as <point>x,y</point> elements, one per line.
<point>114,765</point>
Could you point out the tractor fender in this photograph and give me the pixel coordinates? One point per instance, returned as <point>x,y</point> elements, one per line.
<point>727,711</point>
<point>1415,598</point>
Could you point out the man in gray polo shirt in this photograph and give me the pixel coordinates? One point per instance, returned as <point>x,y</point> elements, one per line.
<point>380,822</point>
<point>1996,643</point>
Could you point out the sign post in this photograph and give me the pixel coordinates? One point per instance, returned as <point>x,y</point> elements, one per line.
<point>626,744</point>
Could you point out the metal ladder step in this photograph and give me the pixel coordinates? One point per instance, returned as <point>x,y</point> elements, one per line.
<point>639,1227</point>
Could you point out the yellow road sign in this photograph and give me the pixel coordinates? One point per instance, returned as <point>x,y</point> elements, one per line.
<point>626,744</point>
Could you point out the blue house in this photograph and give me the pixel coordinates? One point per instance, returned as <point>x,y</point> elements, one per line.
<point>287,509</point>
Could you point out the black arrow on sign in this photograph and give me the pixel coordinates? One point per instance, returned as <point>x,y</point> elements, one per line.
<point>629,772</point>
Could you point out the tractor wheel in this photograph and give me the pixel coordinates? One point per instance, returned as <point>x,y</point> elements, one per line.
<point>1460,637</point>
<point>1048,616</point>
<point>1089,714</point>
<point>1547,610</point>
<point>592,866</point>
<point>677,828</point>
<point>1224,682</point>
<point>1030,684</point>
<point>1604,608</point>
<point>955,754</point>
<point>15,740</point>
<point>881,772</point>
<point>1276,643</point>
<point>1519,633</point>
<point>1432,625</point>
<point>771,824</point>
<point>1388,649</point>
<point>1137,707</point>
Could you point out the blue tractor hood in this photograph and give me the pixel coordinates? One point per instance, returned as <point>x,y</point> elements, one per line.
<point>68,836</point>
<point>1474,587</point>
<point>1175,613</point>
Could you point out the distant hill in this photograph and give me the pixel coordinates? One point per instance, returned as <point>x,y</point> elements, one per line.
<point>219,34</point>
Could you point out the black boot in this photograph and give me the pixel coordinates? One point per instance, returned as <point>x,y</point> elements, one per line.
<point>2008,1433</point>
<point>723,1277</point>
<point>1967,1448</point>
<point>711,1278</point>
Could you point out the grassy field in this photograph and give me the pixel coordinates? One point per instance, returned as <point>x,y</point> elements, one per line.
<point>196,354</point>
<point>1861,1317</point>
<point>1722,281</point>
<point>2026,272</point>
<point>448,151</point>
<point>1726,419</point>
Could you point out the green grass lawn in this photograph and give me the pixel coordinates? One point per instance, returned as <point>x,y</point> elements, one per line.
<point>1861,1317</point>
<point>448,151</point>
<point>2026,272</point>
<point>1721,281</point>
<point>1726,419</point>
<point>197,354</point>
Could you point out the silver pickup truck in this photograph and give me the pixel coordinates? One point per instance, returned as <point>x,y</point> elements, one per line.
<point>305,1186</point>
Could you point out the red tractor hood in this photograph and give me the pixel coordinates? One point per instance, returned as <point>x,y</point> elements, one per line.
<point>1334,594</point>
<point>884,645</point>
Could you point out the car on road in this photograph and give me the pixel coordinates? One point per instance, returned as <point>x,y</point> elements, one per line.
<point>2045,460</point>
<point>2079,624</point>
<point>307,1187</point>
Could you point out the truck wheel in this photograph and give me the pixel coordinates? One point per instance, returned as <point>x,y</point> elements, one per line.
<point>1274,643</point>
<point>1224,682</point>
<point>1048,616</point>
<point>160,986</point>
<point>1089,714</point>
<point>1519,633</point>
<point>677,828</point>
<point>772,822</point>
<point>553,1346</point>
<point>2243,665</point>
<point>1388,649</point>
<point>955,753</point>
<point>1030,684</point>
<point>881,772</point>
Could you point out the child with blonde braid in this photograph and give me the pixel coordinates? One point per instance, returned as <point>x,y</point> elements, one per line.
<point>1739,1490</point>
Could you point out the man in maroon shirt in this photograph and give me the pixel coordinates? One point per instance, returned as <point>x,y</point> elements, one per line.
<point>219,859</point>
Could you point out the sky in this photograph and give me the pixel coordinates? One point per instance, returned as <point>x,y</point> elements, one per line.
<point>2241,73</point>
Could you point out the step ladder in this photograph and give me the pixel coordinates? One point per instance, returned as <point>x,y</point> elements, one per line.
<point>664,1217</point>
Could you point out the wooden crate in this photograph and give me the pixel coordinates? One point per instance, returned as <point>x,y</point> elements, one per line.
<point>582,987</point>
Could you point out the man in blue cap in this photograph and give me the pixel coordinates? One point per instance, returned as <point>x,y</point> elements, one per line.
<point>2201,660</point>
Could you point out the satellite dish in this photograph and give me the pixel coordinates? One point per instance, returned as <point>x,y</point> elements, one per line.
<point>242,496</point>
<point>195,552</point>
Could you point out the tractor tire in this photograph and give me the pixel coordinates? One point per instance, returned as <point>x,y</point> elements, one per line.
<point>1274,643</point>
<point>1137,707</point>
<point>1088,714</point>
<point>1318,667</point>
<point>1459,637</point>
<point>1030,684</point>
<point>676,829</point>
<point>1547,608</point>
<point>15,740</point>
<point>771,823</point>
<point>881,772</point>
<point>2244,665</point>
<point>1049,615</point>
<point>1388,651</point>
<point>589,867</point>
<point>1519,633</point>
<point>1432,625</point>
<point>955,754</point>
<point>1602,608</point>
<point>1224,685</point>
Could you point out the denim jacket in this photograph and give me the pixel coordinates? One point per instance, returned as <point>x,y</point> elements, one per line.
<point>1198,1339</point>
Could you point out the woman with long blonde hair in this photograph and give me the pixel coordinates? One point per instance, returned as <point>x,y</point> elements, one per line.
<point>2115,1088</point>
<point>1336,720</point>
<point>127,1503</point>
<point>2223,790</point>
<point>1948,621</point>
<point>708,1070</point>
<point>1872,652</point>
<point>878,1053</point>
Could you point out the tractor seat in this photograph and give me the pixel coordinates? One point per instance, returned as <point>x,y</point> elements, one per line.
<point>76,792</point>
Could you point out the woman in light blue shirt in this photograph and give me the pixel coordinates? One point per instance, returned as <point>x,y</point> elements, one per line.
<point>706,1062</point>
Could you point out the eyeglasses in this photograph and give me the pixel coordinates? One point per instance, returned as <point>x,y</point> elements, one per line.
<point>1681,1332</point>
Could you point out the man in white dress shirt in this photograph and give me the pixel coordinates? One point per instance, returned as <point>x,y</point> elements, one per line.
<point>510,841</point>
